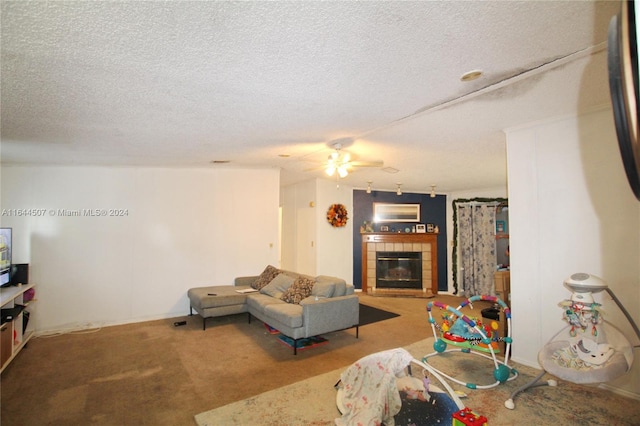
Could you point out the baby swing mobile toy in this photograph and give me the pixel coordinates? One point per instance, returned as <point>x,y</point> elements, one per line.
<point>589,349</point>
<point>471,336</point>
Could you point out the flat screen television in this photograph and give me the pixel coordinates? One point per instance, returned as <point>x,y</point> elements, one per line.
<point>5,257</point>
<point>622,58</point>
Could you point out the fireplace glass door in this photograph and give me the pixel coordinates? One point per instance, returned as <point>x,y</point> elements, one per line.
<point>399,270</point>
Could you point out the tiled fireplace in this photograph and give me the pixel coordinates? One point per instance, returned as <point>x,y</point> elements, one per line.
<point>414,251</point>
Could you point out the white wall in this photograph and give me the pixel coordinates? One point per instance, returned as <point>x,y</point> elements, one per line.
<point>335,245</point>
<point>298,227</point>
<point>318,248</point>
<point>570,210</point>
<point>183,228</point>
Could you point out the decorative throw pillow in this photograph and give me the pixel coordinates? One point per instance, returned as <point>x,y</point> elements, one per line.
<point>269,273</point>
<point>300,289</point>
<point>278,286</point>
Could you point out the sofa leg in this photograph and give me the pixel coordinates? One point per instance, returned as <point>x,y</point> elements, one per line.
<point>249,314</point>
<point>204,323</point>
<point>190,310</point>
<point>295,346</point>
<point>357,331</point>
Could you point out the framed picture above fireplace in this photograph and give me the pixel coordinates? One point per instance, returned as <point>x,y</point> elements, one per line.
<point>389,212</point>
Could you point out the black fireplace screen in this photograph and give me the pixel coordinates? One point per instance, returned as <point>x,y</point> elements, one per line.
<point>398,269</point>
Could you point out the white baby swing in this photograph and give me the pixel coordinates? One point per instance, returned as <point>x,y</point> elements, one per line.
<point>589,350</point>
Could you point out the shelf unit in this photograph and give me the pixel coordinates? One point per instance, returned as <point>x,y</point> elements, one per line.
<point>13,333</point>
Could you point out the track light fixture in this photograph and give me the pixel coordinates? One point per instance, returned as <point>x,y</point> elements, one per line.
<point>369,187</point>
<point>433,191</point>
<point>399,191</point>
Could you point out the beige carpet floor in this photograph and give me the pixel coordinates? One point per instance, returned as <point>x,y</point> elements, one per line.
<point>313,401</point>
<point>153,373</point>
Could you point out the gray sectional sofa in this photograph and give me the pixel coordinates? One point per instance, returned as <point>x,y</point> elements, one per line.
<point>297,305</point>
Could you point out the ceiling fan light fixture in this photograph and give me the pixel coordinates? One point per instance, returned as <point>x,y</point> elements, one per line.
<point>342,171</point>
<point>330,170</point>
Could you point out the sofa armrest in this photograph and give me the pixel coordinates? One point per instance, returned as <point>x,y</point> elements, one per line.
<point>329,314</point>
<point>247,281</point>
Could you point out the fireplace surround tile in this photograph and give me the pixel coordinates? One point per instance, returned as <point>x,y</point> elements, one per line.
<point>410,242</point>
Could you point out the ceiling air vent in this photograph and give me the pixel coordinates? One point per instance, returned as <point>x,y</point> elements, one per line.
<point>390,170</point>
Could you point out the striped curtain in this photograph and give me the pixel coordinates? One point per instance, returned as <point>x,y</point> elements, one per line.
<point>477,245</point>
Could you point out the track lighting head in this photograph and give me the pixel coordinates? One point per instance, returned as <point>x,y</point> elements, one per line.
<point>369,187</point>
<point>399,191</point>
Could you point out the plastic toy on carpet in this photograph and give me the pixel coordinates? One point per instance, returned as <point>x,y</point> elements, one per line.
<point>466,417</point>
<point>302,344</point>
<point>270,329</point>
<point>472,337</point>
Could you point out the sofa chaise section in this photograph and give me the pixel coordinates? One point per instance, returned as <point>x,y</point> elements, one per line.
<point>332,305</point>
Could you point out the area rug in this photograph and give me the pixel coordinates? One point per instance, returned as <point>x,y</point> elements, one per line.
<point>369,314</point>
<point>313,401</point>
<point>302,344</point>
<point>270,329</point>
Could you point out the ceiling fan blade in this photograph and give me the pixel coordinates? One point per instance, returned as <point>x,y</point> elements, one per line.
<point>315,169</point>
<point>366,163</point>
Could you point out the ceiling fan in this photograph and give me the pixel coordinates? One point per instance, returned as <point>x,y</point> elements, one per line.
<point>340,163</point>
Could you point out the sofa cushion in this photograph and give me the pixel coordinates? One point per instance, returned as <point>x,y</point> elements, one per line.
<point>292,274</point>
<point>329,278</point>
<point>269,273</point>
<point>278,286</point>
<point>300,289</point>
<point>340,285</point>
<point>286,313</point>
<point>215,296</point>
<point>323,289</point>
<point>296,274</point>
<point>341,289</point>
<point>258,302</point>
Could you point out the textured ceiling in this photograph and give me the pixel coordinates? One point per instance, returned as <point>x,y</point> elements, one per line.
<point>179,84</point>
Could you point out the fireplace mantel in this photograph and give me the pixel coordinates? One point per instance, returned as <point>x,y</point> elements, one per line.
<point>399,242</point>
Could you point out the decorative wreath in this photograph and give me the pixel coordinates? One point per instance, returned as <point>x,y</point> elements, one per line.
<point>337,215</point>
